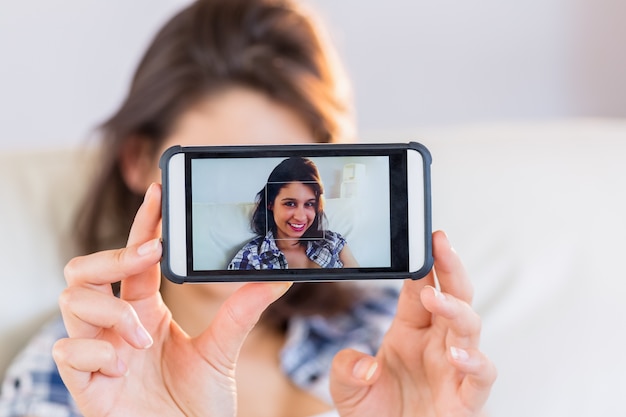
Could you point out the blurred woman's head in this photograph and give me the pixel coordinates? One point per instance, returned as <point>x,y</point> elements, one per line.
<point>220,72</point>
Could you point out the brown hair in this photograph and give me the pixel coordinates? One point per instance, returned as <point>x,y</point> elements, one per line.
<point>266,45</point>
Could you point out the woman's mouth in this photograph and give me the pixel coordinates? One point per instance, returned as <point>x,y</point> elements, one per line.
<point>297,227</point>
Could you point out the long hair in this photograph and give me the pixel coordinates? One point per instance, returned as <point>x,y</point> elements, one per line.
<point>270,46</point>
<point>295,169</point>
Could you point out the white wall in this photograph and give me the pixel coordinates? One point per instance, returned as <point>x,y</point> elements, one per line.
<point>64,65</point>
<point>418,63</point>
<point>246,177</point>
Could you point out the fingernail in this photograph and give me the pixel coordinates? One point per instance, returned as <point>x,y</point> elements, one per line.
<point>438,294</point>
<point>445,235</point>
<point>365,368</point>
<point>122,368</point>
<point>148,192</point>
<point>458,354</point>
<point>143,338</point>
<point>281,288</point>
<point>149,247</point>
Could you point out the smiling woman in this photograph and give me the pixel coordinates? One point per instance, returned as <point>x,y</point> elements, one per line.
<point>290,224</point>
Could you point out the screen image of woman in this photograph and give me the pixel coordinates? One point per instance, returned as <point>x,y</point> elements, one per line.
<point>290,224</point>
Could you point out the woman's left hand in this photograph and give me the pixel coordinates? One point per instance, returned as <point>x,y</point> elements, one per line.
<point>429,363</point>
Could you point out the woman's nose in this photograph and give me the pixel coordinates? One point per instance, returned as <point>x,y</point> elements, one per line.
<point>299,213</point>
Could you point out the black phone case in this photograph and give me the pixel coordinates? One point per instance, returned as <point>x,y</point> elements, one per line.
<point>297,275</point>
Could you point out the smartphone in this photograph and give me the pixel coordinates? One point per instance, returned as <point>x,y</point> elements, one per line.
<point>309,212</point>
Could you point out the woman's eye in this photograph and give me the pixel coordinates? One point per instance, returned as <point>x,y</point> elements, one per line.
<point>309,204</point>
<point>290,204</point>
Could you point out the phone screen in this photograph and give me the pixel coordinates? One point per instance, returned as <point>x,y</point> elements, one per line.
<point>317,212</point>
<point>236,204</point>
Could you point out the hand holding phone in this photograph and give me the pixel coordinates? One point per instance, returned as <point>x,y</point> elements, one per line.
<point>296,212</point>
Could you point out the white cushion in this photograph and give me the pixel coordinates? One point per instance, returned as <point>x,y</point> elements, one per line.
<point>38,193</point>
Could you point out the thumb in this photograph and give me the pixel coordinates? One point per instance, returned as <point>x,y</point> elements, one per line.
<point>221,342</point>
<point>351,375</point>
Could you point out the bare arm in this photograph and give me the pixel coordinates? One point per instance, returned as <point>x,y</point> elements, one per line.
<point>347,258</point>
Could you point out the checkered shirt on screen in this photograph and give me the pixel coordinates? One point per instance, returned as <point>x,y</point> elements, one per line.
<point>263,253</point>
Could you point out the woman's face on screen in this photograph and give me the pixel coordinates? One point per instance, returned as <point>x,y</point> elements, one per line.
<point>294,210</point>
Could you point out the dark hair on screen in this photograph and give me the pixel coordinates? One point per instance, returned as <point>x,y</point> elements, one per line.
<point>270,46</point>
<point>295,169</point>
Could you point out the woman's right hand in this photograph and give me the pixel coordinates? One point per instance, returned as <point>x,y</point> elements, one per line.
<point>126,356</point>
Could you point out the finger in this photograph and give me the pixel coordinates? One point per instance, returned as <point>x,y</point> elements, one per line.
<point>351,374</point>
<point>221,342</point>
<point>146,227</point>
<point>449,272</point>
<point>480,374</point>
<point>111,266</point>
<point>449,269</point>
<point>147,222</point>
<point>410,311</point>
<point>460,322</point>
<point>77,359</point>
<point>87,312</point>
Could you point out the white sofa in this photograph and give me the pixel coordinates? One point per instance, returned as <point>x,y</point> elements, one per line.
<point>537,211</point>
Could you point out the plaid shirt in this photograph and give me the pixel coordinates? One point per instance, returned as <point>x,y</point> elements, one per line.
<point>263,253</point>
<point>33,387</point>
